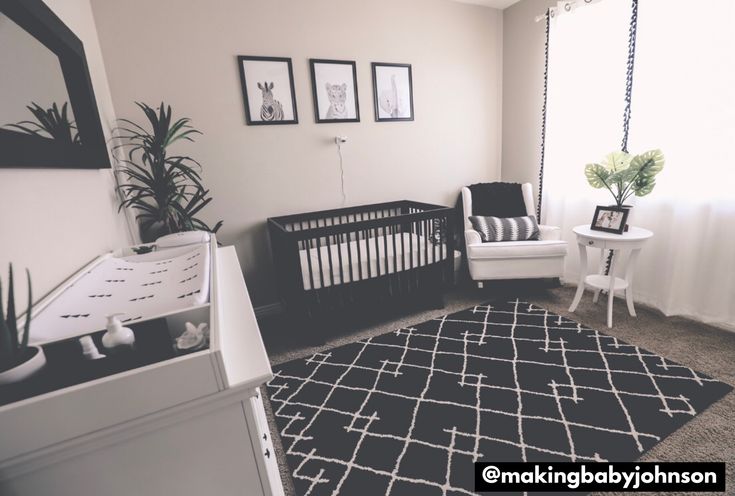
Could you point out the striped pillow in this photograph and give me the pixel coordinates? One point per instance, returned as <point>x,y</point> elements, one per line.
<point>506,229</point>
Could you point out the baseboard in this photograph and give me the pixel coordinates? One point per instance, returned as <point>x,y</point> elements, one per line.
<point>268,310</point>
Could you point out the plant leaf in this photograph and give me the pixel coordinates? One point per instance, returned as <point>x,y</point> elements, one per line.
<point>617,161</point>
<point>597,175</point>
<point>27,327</point>
<point>6,351</point>
<point>10,313</point>
<point>648,163</point>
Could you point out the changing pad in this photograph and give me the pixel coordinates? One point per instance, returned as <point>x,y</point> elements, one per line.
<point>139,287</point>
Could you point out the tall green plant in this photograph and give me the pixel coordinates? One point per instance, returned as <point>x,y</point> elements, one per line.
<point>625,175</point>
<point>165,190</point>
<point>12,343</point>
<point>50,123</point>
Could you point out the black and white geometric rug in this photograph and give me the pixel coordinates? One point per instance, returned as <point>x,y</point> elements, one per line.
<point>408,412</point>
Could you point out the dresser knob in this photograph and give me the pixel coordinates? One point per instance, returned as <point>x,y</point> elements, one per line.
<point>590,243</point>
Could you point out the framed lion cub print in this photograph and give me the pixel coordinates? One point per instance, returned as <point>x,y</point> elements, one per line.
<point>334,83</point>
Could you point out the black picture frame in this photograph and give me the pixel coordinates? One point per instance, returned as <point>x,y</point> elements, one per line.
<point>19,150</point>
<point>376,96</point>
<point>597,222</point>
<point>315,89</point>
<point>246,100</point>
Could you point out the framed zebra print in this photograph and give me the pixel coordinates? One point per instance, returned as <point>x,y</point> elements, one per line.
<point>334,85</point>
<point>267,90</point>
<point>392,92</point>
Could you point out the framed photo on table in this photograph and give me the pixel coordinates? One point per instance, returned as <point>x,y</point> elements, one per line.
<point>334,84</point>
<point>268,90</point>
<point>392,92</point>
<point>610,219</point>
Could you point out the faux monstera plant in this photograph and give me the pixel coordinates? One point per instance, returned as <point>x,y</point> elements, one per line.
<point>625,175</point>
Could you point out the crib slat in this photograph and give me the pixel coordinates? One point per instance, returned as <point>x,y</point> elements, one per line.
<point>385,247</point>
<point>434,238</point>
<point>367,254</point>
<point>410,243</point>
<point>311,270</point>
<point>329,255</point>
<point>319,259</point>
<point>420,228</point>
<point>349,258</point>
<point>395,251</point>
<point>426,242</point>
<point>339,257</point>
<point>443,238</point>
<point>359,258</point>
<point>403,250</point>
<point>377,250</point>
<point>445,245</point>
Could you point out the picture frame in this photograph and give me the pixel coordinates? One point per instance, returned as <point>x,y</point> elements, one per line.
<point>268,90</point>
<point>392,92</point>
<point>610,219</point>
<point>334,88</point>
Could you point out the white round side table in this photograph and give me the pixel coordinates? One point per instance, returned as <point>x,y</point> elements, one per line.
<point>633,240</point>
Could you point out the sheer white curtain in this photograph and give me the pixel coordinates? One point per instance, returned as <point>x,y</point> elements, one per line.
<point>684,104</point>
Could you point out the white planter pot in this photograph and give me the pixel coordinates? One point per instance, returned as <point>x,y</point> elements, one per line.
<point>25,369</point>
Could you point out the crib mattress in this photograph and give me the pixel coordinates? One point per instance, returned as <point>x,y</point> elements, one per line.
<point>411,247</point>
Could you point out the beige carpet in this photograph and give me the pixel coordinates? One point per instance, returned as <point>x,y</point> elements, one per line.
<point>710,436</point>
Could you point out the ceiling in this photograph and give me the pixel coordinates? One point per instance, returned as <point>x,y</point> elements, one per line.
<point>496,4</point>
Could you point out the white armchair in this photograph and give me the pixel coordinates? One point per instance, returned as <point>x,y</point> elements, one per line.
<point>513,259</point>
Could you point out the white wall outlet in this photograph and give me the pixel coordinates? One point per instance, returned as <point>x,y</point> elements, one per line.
<point>340,139</point>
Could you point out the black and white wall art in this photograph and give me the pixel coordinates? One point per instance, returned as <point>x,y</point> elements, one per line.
<point>392,92</point>
<point>334,84</point>
<point>268,90</point>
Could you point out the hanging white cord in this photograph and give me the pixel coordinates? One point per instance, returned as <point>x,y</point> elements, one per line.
<point>341,172</point>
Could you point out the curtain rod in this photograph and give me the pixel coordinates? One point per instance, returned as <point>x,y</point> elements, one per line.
<point>563,7</point>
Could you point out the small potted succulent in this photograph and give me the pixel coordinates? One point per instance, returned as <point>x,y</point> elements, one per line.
<point>17,360</point>
<point>625,175</point>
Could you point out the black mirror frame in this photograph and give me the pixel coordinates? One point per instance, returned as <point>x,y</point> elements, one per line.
<point>18,150</point>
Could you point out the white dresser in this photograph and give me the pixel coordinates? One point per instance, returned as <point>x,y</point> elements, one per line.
<point>188,425</point>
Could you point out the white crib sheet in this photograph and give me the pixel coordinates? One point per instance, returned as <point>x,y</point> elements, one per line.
<point>140,287</point>
<point>412,244</point>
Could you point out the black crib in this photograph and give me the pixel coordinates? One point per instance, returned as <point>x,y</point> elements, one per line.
<point>334,262</point>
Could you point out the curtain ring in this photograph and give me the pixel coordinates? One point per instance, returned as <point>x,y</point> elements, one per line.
<point>587,1</point>
<point>568,7</point>
<point>551,12</point>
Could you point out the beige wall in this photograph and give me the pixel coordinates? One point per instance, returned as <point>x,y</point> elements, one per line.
<point>523,77</point>
<point>52,221</point>
<point>158,50</point>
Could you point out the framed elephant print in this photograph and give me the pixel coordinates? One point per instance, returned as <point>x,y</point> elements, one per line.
<point>334,84</point>
<point>392,92</point>
<point>268,90</point>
